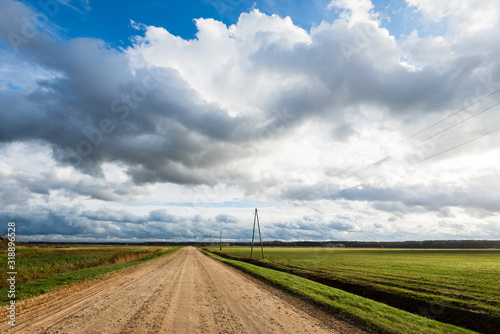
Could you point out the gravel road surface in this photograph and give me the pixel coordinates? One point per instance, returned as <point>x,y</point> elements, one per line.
<point>185,292</point>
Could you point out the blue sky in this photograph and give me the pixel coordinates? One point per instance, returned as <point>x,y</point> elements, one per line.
<point>349,120</point>
<point>110,20</point>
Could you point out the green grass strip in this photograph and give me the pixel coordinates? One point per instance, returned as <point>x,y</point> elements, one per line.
<point>366,313</point>
<point>52,283</point>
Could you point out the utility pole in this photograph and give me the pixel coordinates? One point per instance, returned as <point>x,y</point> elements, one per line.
<point>210,244</point>
<point>256,218</point>
<point>220,241</point>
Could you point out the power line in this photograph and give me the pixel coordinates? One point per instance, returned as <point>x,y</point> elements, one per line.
<point>425,159</point>
<point>441,121</point>
<point>444,130</point>
<point>454,147</point>
<point>318,186</point>
<point>420,142</point>
<point>448,117</point>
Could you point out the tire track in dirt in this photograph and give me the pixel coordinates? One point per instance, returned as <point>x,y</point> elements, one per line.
<point>151,314</point>
<point>181,307</point>
<point>185,292</point>
<point>234,310</point>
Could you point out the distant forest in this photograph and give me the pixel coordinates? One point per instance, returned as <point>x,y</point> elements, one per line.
<point>432,244</point>
<point>390,244</point>
<point>437,244</point>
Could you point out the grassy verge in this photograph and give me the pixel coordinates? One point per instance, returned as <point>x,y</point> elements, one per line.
<point>362,311</point>
<point>32,288</point>
<point>454,286</point>
<point>37,261</point>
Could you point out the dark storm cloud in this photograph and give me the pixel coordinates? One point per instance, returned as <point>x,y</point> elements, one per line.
<point>119,224</point>
<point>95,108</point>
<point>49,221</point>
<point>21,187</point>
<point>13,194</point>
<point>225,219</point>
<point>336,81</point>
<point>160,139</point>
<point>341,226</point>
<point>478,196</point>
<point>113,216</point>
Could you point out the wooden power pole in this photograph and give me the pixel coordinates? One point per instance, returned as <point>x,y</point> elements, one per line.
<point>256,218</point>
<point>220,241</point>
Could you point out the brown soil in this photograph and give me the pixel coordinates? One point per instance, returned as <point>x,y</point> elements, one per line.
<point>186,292</point>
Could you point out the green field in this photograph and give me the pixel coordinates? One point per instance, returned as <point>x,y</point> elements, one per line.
<point>456,286</point>
<point>44,268</point>
<point>366,313</point>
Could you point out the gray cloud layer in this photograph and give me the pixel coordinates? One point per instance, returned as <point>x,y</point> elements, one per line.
<point>164,131</point>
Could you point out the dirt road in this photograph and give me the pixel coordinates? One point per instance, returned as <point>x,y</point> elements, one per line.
<point>186,292</point>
